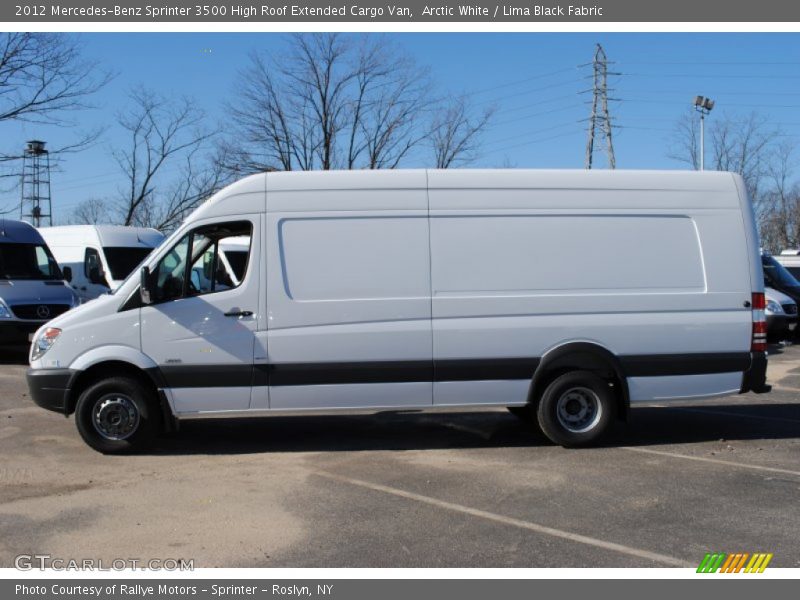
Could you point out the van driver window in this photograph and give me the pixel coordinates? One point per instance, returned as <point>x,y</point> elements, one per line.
<point>209,270</point>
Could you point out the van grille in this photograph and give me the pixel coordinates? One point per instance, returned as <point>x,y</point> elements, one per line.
<point>790,309</point>
<point>39,312</point>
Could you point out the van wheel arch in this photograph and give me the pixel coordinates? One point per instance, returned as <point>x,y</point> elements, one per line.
<point>581,356</point>
<point>115,368</point>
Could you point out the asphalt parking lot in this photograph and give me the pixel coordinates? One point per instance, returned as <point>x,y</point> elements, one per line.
<point>406,489</point>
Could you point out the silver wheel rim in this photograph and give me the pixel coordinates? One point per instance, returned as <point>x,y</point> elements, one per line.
<point>579,409</point>
<point>115,417</point>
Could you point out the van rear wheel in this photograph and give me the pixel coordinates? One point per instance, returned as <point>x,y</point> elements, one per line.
<point>117,415</point>
<point>576,409</point>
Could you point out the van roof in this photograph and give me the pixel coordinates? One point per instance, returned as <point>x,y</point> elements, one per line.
<point>106,235</point>
<point>245,195</point>
<point>18,232</point>
<point>498,178</point>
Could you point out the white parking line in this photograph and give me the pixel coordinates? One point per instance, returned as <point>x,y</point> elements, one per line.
<point>519,523</point>
<point>715,461</point>
<point>727,413</point>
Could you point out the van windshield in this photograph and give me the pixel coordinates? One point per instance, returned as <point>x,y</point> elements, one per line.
<point>28,261</point>
<point>123,260</point>
<point>775,272</point>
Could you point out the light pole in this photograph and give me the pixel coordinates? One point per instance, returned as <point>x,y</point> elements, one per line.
<point>703,105</point>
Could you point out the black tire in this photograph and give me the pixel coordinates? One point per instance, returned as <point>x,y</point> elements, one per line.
<point>132,404</point>
<point>565,412</point>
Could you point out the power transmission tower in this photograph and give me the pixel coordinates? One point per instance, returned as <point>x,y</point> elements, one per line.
<point>35,206</point>
<point>600,124</point>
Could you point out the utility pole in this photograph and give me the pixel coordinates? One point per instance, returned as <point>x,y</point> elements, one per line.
<point>600,122</point>
<point>703,105</point>
<point>35,205</point>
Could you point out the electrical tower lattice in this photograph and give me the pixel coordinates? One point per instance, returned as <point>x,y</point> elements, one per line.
<point>600,124</point>
<point>35,206</point>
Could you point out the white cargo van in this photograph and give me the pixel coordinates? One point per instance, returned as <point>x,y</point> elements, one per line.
<point>567,294</point>
<point>99,257</point>
<point>32,288</point>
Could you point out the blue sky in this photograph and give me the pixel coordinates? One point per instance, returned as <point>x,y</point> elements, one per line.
<point>532,79</point>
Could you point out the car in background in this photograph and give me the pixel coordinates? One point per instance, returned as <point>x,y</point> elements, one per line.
<point>100,257</point>
<point>790,259</point>
<point>779,278</point>
<point>32,287</point>
<point>781,312</point>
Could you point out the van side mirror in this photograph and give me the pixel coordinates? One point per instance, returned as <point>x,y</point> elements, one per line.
<point>67,272</point>
<point>96,276</point>
<point>145,286</point>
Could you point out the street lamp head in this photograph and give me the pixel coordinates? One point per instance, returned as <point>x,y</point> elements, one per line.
<point>703,104</point>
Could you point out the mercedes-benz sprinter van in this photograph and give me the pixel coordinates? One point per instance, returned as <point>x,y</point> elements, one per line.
<point>32,288</point>
<point>99,257</point>
<point>566,295</point>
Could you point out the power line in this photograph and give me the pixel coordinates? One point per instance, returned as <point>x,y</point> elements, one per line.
<point>532,132</point>
<point>519,81</point>
<point>539,114</point>
<point>538,141</point>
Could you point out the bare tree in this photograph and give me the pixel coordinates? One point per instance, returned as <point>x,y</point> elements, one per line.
<point>44,79</point>
<point>779,214</point>
<point>748,145</point>
<point>331,101</point>
<point>92,211</point>
<point>455,134</point>
<point>685,144</point>
<point>743,145</point>
<point>43,76</point>
<point>165,137</point>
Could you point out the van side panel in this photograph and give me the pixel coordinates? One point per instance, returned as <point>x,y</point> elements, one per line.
<point>641,272</point>
<point>348,298</point>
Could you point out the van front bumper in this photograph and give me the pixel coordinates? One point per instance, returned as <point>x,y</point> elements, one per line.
<point>17,333</point>
<point>49,388</point>
<point>755,378</point>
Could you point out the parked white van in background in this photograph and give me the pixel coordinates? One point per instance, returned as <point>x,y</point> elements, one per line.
<point>566,294</point>
<point>99,257</point>
<point>32,289</point>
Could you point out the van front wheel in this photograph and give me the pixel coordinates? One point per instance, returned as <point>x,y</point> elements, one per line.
<point>117,415</point>
<point>576,409</point>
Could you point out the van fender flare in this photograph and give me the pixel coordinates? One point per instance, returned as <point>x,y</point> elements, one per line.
<point>111,353</point>
<point>582,355</point>
<point>119,354</point>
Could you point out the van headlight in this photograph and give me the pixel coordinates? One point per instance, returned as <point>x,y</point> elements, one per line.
<point>44,341</point>
<point>5,312</point>
<point>774,308</point>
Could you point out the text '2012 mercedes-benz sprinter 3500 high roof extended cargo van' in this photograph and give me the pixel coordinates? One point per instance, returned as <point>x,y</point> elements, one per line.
<point>567,295</point>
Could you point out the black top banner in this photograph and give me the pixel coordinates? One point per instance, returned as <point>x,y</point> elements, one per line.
<point>408,11</point>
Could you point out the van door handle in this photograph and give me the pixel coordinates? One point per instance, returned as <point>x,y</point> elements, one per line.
<point>239,313</point>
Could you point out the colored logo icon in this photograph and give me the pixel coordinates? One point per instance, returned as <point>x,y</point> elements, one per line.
<point>741,562</point>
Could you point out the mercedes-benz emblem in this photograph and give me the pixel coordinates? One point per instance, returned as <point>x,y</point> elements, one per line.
<point>42,311</point>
